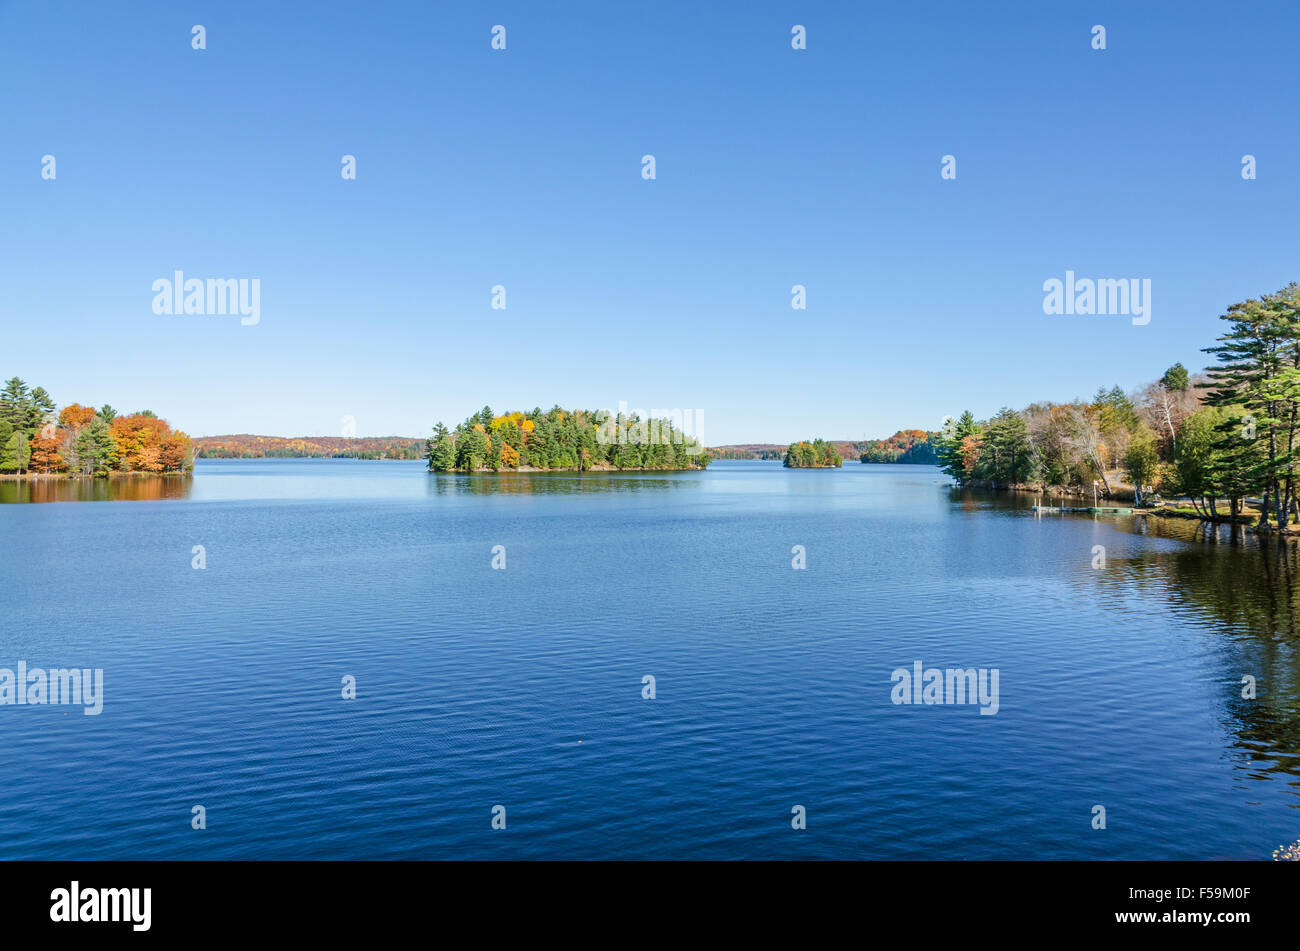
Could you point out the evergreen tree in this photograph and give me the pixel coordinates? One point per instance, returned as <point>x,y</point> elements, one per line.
<point>17,453</point>
<point>15,403</point>
<point>472,448</point>
<point>95,448</point>
<point>1175,378</point>
<point>1006,455</point>
<point>440,448</point>
<point>955,446</point>
<point>1259,370</point>
<point>44,407</point>
<point>1116,413</point>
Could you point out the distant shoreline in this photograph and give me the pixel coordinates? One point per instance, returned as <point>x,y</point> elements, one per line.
<point>488,470</point>
<point>251,446</point>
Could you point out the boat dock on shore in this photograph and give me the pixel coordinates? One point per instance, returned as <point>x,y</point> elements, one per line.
<point>1094,509</point>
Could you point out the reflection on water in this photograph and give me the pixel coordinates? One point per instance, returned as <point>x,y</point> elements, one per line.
<point>297,479</point>
<point>554,483</point>
<point>124,488</point>
<point>1248,588</point>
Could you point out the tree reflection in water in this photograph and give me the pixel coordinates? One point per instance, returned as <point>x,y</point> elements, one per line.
<point>123,488</point>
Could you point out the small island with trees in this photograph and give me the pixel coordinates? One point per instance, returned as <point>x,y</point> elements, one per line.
<point>818,454</point>
<point>562,440</point>
<point>37,440</point>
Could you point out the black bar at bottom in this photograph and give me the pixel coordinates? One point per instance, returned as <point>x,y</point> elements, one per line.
<point>338,900</point>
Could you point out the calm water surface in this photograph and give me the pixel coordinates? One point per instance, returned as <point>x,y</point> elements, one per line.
<point>1119,686</point>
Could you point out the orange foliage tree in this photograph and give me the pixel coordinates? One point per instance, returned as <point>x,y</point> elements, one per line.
<point>173,451</point>
<point>148,444</point>
<point>75,416</point>
<point>45,449</point>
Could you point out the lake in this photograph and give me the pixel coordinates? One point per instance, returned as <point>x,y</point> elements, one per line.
<point>1118,685</point>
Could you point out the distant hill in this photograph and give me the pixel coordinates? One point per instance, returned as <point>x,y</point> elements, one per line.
<point>245,446</point>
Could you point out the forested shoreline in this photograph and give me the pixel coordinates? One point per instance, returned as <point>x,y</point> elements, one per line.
<point>1228,439</point>
<point>562,440</point>
<point>38,440</point>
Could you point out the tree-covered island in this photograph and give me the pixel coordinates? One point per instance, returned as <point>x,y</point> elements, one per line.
<point>558,439</point>
<point>818,454</point>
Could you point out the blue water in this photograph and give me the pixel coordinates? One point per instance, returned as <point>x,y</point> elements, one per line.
<point>1118,686</point>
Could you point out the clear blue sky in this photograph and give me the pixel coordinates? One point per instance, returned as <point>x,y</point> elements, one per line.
<point>522,168</point>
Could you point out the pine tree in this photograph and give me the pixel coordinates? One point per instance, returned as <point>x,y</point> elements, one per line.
<point>95,447</point>
<point>43,404</point>
<point>1259,370</point>
<point>15,403</point>
<point>955,443</point>
<point>17,453</point>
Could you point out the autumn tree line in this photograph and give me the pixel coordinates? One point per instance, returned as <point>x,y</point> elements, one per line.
<point>1224,437</point>
<point>1073,444</point>
<point>38,438</point>
<point>562,439</point>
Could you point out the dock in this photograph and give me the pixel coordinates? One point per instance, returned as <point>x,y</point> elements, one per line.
<point>1092,509</point>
